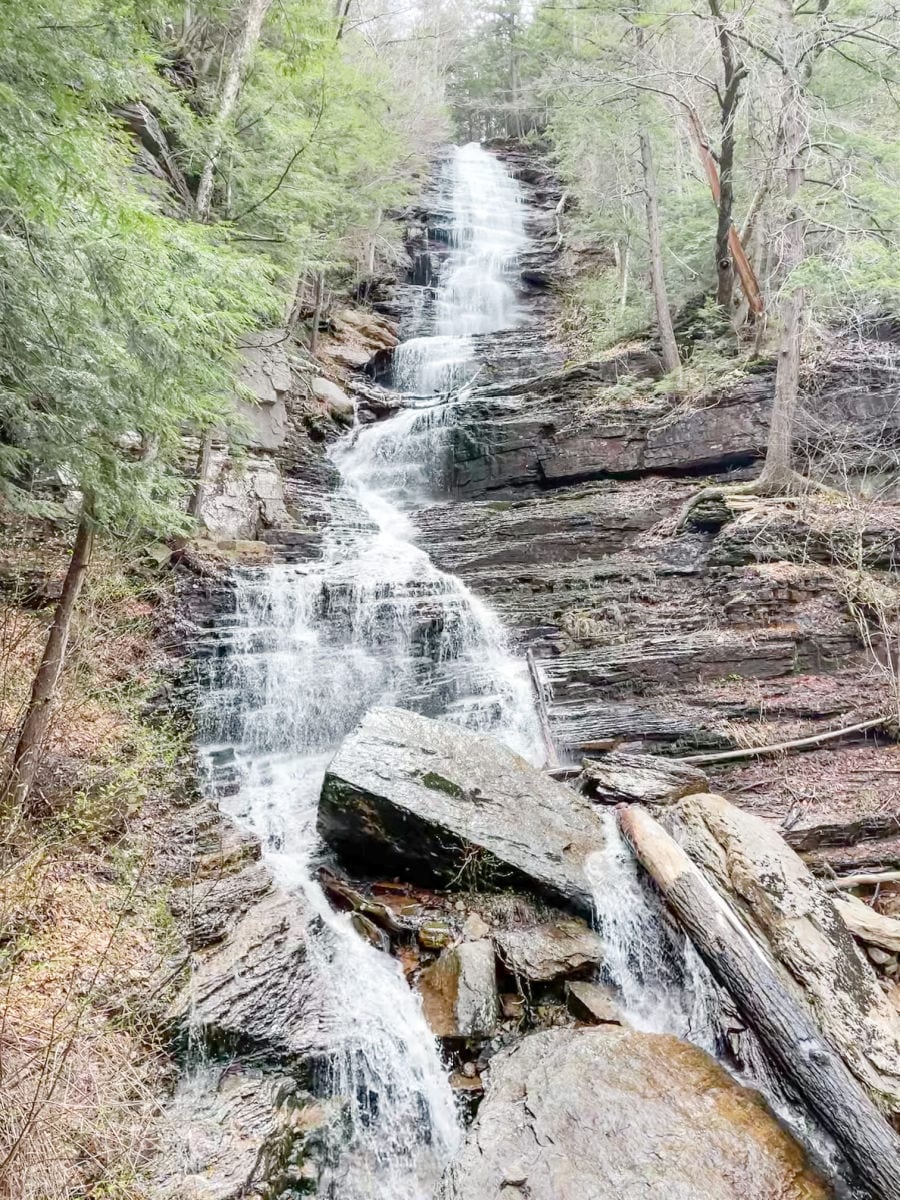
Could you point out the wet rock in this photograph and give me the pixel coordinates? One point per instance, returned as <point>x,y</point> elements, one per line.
<point>231,1131</point>
<point>368,930</point>
<point>592,1002</point>
<point>555,950</point>
<point>439,804</point>
<point>459,992</point>
<point>434,935</point>
<point>209,908</point>
<point>639,778</point>
<point>256,986</point>
<point>592,1114</point>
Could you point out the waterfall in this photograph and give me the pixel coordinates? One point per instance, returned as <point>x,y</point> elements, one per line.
<point>313,645</point>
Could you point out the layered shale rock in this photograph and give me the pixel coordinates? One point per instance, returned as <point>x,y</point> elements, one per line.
<point>589,1114</point>
<point>439,804</point>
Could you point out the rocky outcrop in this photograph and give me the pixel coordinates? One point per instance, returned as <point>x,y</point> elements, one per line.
<point>587,1114</point>
<point>439,804</point>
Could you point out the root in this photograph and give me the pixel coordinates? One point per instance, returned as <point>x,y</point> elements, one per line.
<point>784,485</point>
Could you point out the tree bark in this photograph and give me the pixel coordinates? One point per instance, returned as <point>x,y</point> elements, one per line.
<point>733,75</point>
<point>317,313</point>
<point>43,691</point>
<point>783,1025</point>
<point>204,457</point>
<point>777,471</point>
<point>671,360</point>
<point>251,26</point>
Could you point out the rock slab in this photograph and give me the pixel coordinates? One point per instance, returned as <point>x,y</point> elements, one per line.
<point>437,804</point>
<point>611,1114</point>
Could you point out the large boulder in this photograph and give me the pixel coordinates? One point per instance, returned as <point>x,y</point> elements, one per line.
<point>612,1114</point>
<point>438,804</point>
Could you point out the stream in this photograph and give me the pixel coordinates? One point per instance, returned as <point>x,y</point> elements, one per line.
<point>314,645</point>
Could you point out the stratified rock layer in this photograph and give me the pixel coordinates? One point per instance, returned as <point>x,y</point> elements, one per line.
<point>610,1114</point>
<point>438,804</point>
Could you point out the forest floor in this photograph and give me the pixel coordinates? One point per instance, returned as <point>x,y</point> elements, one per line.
<point>86,939</point>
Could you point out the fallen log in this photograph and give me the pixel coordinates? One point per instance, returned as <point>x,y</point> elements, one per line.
<point>781,1021</point>
<point>787,912</point>
<point>866,879</point>
<point>868,925</point>
<point>815,739</point>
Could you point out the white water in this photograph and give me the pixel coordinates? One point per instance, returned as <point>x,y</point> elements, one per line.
<point>313,646</point>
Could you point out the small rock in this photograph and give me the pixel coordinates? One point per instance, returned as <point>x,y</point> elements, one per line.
<point>879,956</point>
<point>369,930</point>
<point>553,950</point>
<point>475,928</point>
<point>460,906</point>
<point>593,1003</point>
<point>512,1005</point>
<point>466,1083</point>
<point>435,935</point>
<point>469,1070</point>
<point>459,991</point>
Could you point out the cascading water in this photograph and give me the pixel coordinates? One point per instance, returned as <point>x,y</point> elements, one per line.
<point>373,621</point>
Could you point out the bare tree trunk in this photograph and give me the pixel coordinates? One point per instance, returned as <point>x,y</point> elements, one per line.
<point>777,471</point>
<point>671,360</point>
<point>43,692</point>
<point>251,26</point>
<point>317,313</point>
<point>733,75</point>
<point>784,1026</point>
<point>204,458</point>
<point>254,13</point>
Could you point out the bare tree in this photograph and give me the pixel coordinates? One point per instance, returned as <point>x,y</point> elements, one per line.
<point>251,21</point>
<point>43,691</point>
<point>670,357</point>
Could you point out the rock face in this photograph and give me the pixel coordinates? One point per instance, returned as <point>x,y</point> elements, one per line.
<point>266,373</point>
<point>438,804</point>
<point>255,987</point>
<point>610,1114</point>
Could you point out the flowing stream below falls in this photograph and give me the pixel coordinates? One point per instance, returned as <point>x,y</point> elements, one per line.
<point>312,646</point>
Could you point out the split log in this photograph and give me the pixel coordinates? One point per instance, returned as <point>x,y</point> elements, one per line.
<point>783,1024</point>
<point>641,778</point>
<point>868,925</point>
<point>787,911</point>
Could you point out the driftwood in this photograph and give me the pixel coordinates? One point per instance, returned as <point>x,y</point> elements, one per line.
<point>868,879</point>
<point>641,778</point>
<point>783,1024</point>
<point>868,925</point>
<point>783,905</point>
<point>803,743</point>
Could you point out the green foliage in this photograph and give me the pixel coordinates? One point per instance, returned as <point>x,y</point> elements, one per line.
<point>122,316</point>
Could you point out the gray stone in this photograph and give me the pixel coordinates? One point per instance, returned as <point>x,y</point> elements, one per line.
<point>459,992</point>
<point>439,804</point>
<point>227,1133</point>
<point>640,778</point>
<point>592,1002</point>
<point>243,499</point>
<point>335,397</point>
<point>611,1114</point>
<point>554,950</point>
<point>265,372</point>
<point>257,985</point>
